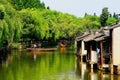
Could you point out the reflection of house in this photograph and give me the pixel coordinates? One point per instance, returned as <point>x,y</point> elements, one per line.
<point>80,69</point>
<point>101,47</point>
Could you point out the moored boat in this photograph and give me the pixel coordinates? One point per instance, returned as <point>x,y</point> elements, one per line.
<point>42,49</point>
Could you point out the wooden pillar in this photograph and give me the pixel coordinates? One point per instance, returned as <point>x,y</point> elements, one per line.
<point>75,44</point>
<point>101,54</point>
<point>82,50</point>
<point>111,63</point>
<point>91,64</point>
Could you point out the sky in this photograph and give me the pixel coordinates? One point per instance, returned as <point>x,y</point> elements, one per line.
<point>80,7</point>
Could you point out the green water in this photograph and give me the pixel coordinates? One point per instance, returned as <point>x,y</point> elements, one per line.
<point>39,66</point>
<point>24,65</point>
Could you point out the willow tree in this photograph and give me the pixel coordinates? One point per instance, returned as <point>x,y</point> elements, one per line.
<point>67,25</point>
<point>34,25</point>
<point>51,18</point>
<point>10,25</point>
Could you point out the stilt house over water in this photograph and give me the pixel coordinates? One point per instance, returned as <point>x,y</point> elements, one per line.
<point>101,47</point>
<point>86,48</point>
<point>115,48</point>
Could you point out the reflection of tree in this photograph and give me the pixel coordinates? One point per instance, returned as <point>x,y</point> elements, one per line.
<point>3,55</point>
<point>46,66</point>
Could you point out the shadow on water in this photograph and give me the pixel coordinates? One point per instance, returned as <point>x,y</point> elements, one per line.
<point>85,73</point>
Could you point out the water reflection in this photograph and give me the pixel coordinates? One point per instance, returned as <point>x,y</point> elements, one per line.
<point>38,66</point>
<point>3,55</point>
<point>24,65</point>
<point>85,73</point>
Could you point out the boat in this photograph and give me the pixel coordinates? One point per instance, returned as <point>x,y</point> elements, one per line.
<point>42,49</point>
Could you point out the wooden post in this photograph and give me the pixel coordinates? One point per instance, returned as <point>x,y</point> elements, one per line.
<point>82,49</point>
<point>75,44</point>
<point>111,63</point>
<point>101,54</point>
<point>91,64</point>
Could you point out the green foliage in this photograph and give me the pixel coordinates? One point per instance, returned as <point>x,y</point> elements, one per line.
<point>10,25</point>
<point>111,21</point>
<point>15,46</point>
<point>110,15</point>
<point>35,26</point>
<point>104,16</point>
<point>31,21</point>
<point>1,14</point>
<point>47,24</point>
<point>90,22</point>
<point>23,4</point>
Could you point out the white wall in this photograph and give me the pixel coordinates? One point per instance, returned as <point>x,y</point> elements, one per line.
<point>84,52</point>
<point>94,57</point>
<point>116,46</point>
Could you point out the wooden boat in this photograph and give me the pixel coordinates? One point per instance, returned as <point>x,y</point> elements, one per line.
<point>42,49</point>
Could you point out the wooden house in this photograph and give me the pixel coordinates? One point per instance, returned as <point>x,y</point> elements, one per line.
<point>90,43</point>
<point>115,49</point>
<point>80,46</point>
<point>91,50</point>
<point>108,41</point>
<point>98,48</point>
<point>86,47</point>
<point>103,46</point>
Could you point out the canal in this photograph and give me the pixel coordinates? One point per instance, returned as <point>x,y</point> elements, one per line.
<point>57,65</point>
